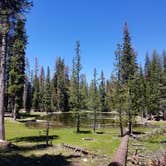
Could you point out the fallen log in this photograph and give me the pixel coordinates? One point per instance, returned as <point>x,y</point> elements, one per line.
<point>81,150</point>
<point>119,159</point>
<point>76,149</point>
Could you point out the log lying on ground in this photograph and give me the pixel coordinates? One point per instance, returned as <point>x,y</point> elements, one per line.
<point>81,150</point>
<point>76,149</point>
<point>119,159</point>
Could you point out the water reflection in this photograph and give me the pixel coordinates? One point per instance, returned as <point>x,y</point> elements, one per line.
<point>69,120</point>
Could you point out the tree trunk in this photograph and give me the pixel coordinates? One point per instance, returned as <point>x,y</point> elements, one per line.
<point>94,123</point>
<point>78,122</point>
<point>130,127</point>
<point>164,114</point>
<point>47,133</point>
<point>2,84</point>
<point>130,123</point>
<point>120,123</point>
<point>15,112</point>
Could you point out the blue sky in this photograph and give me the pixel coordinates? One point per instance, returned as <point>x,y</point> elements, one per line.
<point>53,26</point>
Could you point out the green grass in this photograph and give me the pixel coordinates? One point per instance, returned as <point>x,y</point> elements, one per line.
<point>29,140</point>
<point>152,143</point>
<point>105,143</point>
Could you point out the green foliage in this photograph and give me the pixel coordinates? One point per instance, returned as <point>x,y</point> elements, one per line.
<point>47,92</point>
<point>153,82</point>
<point>102,93</point>
<point>94,94</point>
<point>36,90</point>
<point>27,96</point>
<point>41,89</point>
<point>16,67</point>
<point>60,87</point>
<point>75,93</point>
<point>128,58</point>
<point>83,92</point>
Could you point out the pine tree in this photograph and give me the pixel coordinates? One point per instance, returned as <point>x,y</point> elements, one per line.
<point>75,102</point>
<point>147,84</point>
<point>128,70</point>
<point>36,90</point>
<point>155,79</point>
<point>41,89</point>
<point>8,12</point>
<point>17,68</point>
<point>95,99</point>
<point>141,93</point>
<point>60,87</point>
<point>128,58</point>
<point>102,92</point>
<point>66,89</point>
<point>72,89</point>
<point>163,87</point>
<point>147,66</point>
<point>118,88</point>
<point>27,96</point>
<point>47,92</point>
<point>119,91</point>
<point>83,92</point>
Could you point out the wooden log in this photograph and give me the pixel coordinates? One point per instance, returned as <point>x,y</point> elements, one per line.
<point>119,159</point>
<point>76,149</point>
<point>81,150</point>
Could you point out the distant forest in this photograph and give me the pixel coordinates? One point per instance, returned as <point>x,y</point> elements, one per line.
<point>35,89</point>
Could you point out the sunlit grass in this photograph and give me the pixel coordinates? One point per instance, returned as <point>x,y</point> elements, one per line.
<point>105,143</point>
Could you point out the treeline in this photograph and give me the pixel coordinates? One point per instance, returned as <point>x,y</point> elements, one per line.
<point>57,92</point>
<point>131,87</point>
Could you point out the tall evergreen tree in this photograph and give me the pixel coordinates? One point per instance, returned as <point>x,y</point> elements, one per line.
<point>141,95</point>
<point>27,96</point>
<point>94,99</point>
<point>128,70</point>
<point>47,92</point>
<point>128,58</point>
<point>41,89</point>
<point>117,95</point>
<point>36,90</point>
<point>102,92</point>
<point>8,12</point>
<point>155,79</point>
<point>75,101</point>
<point>163,87</point>
<point>147,66</point>
<point>60,86</point>
<point>83,92</point>
<point>17,67</point>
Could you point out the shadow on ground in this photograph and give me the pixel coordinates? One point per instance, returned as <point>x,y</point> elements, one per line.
<point>84,132</point>
<point>18,149</point>
<point>45,160</point>
<point>33,139</point>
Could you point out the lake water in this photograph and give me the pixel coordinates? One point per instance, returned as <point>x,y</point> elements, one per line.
<point>69,120</point>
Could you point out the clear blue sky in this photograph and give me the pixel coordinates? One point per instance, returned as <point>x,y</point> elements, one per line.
<point>53,26</point>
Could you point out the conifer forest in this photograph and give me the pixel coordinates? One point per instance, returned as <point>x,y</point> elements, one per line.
<point>64,117</point>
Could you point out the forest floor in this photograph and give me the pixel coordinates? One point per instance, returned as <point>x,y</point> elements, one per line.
<point>31,149</point>
<point>149,145</point>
